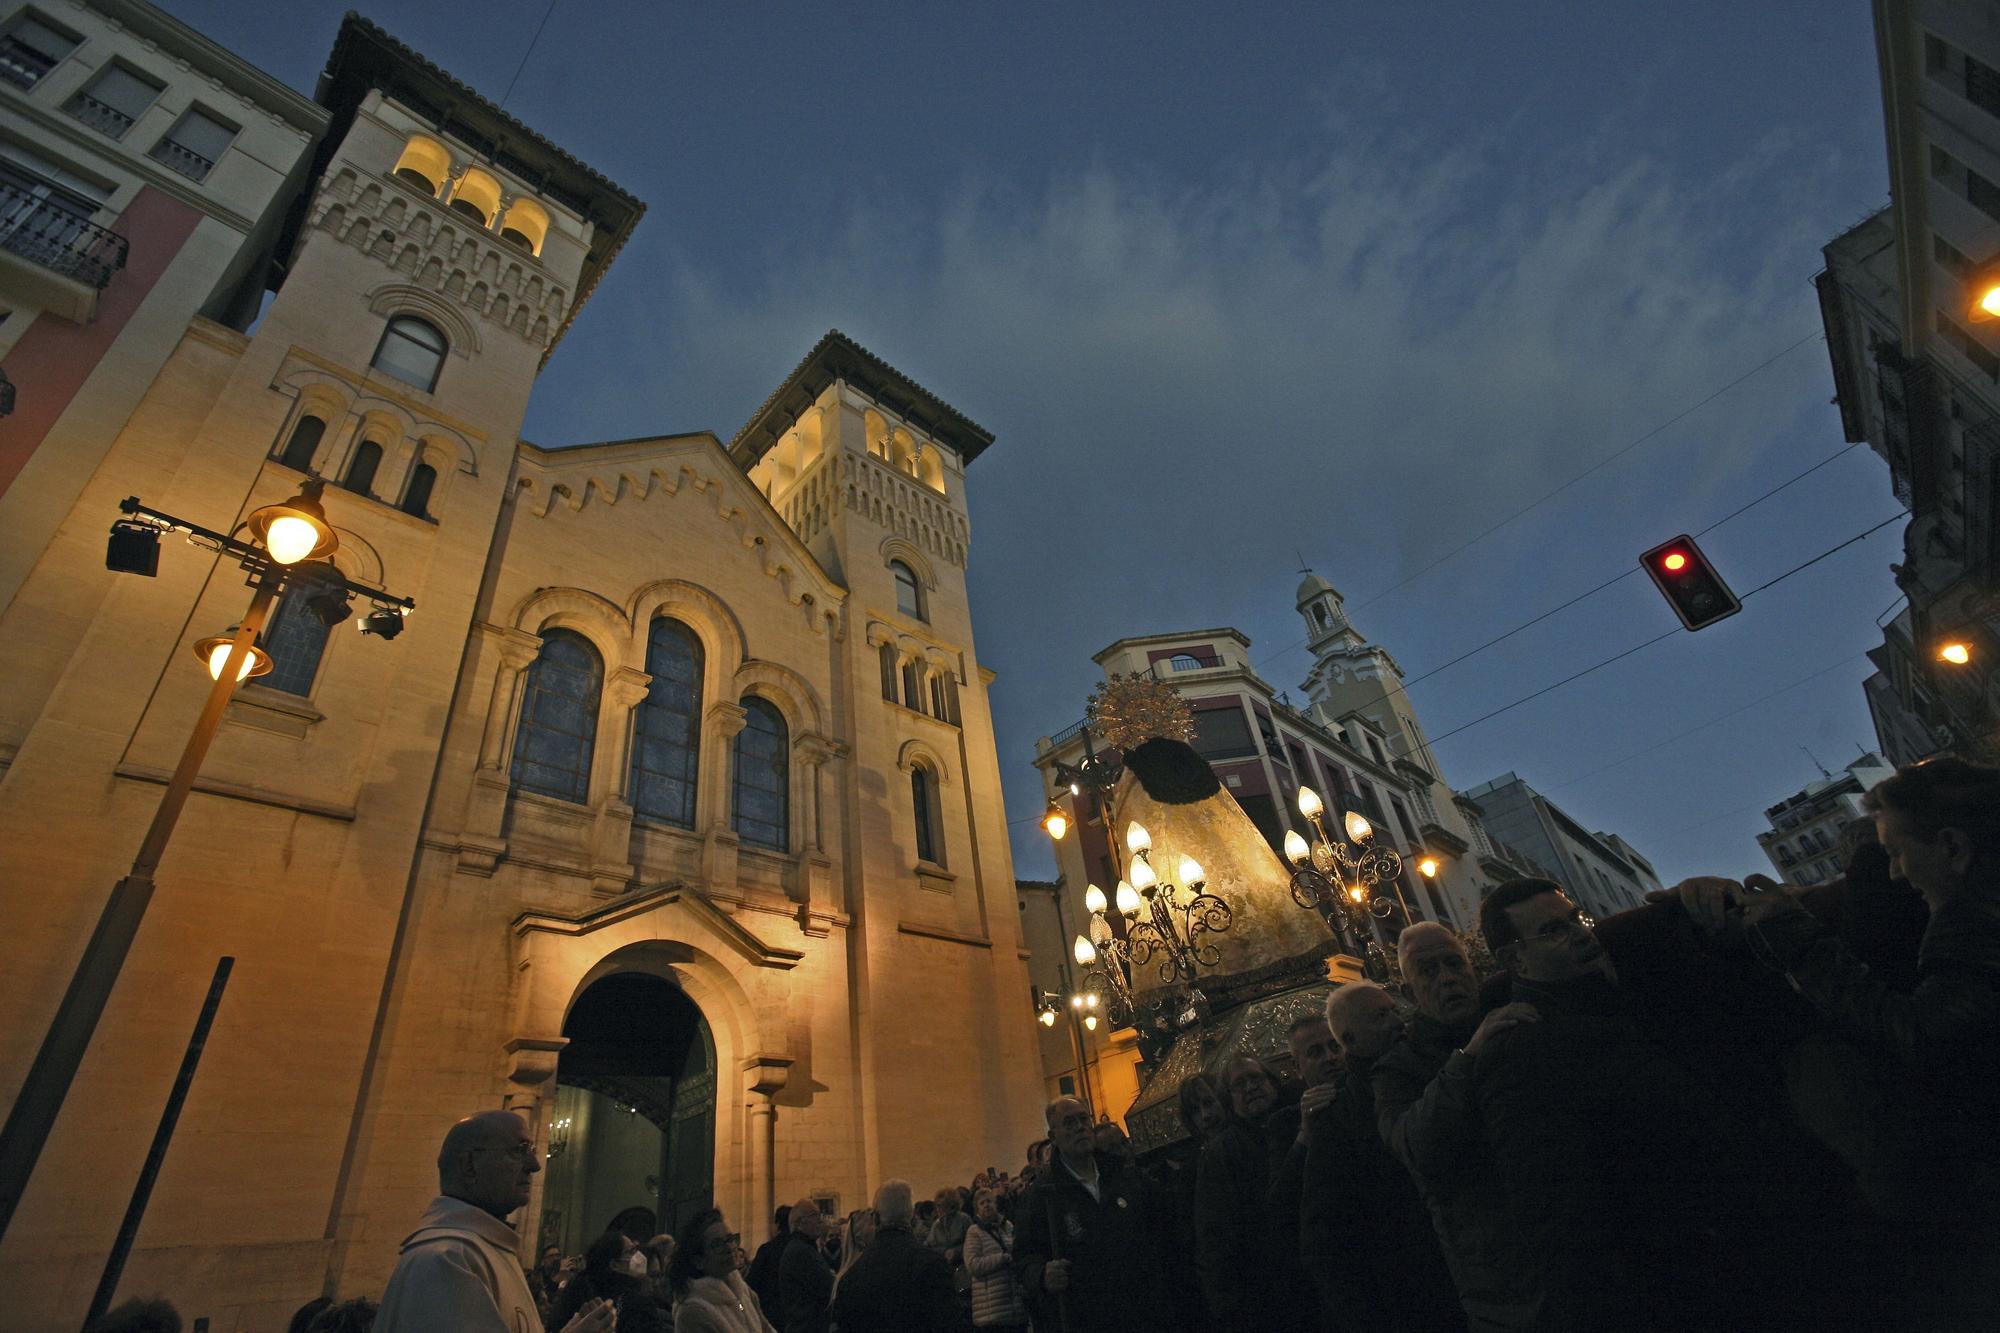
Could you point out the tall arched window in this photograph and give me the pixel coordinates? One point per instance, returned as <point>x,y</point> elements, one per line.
<point>909,593</point>
<point>417,493</point>
<point>666,735</point>
<point>299,450</point>
<point>924,810</point>
<point>296,640</point>
<point>559,718</point>
<point>762,795</point>
<point>360,476</point>
<point>412,350</point>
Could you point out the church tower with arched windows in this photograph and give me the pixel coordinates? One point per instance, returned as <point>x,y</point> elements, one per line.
<point>669,820</point>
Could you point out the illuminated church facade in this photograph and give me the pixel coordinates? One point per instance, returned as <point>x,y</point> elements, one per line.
<point>671,819</point>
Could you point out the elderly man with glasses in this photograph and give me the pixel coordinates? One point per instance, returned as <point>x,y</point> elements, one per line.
<point>460,1269</point>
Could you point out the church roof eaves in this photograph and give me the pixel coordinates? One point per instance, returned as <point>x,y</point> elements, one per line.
<point>838,357</point>
<point>366,56</point>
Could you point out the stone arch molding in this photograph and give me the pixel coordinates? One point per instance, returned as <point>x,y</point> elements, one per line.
<point>791,692</point>
<point>722,636</point>
<point>916,752</point>
<point>899,548</point>
<point>708,953</point>
<point>594,617</point>
<point>401,298</point>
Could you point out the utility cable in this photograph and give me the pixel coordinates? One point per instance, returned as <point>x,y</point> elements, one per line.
<point>1619,657</point>
<point>1598,466</point>
<point>532,41</point>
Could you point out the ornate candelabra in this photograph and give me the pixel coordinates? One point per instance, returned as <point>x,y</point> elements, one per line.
<point>1161,921</point>
<point>1338,877</point>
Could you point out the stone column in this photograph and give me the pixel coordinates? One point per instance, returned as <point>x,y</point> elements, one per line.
<point>611,868</point>
<point>480,843</point>
<point>724,719</point>
<point>531,1089</point>
<point>763,1079</point>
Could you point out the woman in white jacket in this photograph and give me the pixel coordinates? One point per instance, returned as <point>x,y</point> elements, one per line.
<point>997,1303</point>
<point>710,1296</point>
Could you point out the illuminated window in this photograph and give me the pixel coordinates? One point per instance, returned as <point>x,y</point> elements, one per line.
<point>525,225</point>
<point>411,350</point>
<point>477,196</point>
<point>559,718</point>
<point>424,164</point>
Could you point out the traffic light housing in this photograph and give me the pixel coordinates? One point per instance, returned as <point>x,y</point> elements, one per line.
<point>1690,583</point>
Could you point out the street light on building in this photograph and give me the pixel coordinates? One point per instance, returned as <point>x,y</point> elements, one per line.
<point>1983,293</point>
<point>290,545</point>
<point>1955,652</point>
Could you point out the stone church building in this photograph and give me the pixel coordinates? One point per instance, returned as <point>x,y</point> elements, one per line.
<point>672,816</point>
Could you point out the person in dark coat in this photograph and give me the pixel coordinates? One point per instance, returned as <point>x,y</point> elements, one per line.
<point>1091,1239</point>
<point>614,1270</point>
<point>898,1285</point>
<point>1633,1185</point>
<point>763,1274</point>
<point>1426,1117</point>
<point>1921,1091</point>
<point>1248,1262</point>
<point>805,1282</point>
<point>1365,1236</point>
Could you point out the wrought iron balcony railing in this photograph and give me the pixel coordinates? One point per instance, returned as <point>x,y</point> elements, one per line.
<point>58,239</point>
<point>100,116</point>
<point>182,159</point>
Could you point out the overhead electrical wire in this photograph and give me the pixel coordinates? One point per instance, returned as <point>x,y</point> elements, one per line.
<point>1621,656</point>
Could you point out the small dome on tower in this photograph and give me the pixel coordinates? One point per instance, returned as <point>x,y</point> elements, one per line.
<point>1312,587</point>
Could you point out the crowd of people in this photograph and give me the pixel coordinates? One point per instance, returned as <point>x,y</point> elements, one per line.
<point>1738,1107</point>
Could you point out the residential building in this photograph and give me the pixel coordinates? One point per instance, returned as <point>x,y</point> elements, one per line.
<point>145,173</point>
<point>671,820</point>
<point>1917,374</point>
<point>1600,871</point>
<point>1804,840</point>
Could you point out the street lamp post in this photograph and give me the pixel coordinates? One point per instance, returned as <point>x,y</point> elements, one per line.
<point>1338,877</point>
<point>285,535</point>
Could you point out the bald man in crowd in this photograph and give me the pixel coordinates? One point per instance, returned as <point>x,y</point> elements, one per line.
<point>461,1268</point>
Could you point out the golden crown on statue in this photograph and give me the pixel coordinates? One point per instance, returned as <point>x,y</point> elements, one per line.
<point>1129,710</point>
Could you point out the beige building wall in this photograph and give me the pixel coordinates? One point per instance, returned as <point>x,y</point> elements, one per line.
<point>410,931</point>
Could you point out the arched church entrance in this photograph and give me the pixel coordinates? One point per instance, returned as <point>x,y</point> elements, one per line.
<point>632,1137</point>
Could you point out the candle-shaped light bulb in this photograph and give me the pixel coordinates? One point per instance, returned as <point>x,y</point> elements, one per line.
<point>1084,952</point>
<point>1137,840</point>
<point>1128,899</point>
<point>1358,829</point>
<point>1143,878</point>
<point>1093,898</point>
<point>1191,872</point>
<point>1309,803</point>
<point>1296,850</point>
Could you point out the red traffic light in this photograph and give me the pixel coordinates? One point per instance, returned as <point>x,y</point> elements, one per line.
<point>1690,583</point>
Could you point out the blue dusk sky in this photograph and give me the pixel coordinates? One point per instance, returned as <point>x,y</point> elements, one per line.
<point>1236,284</point>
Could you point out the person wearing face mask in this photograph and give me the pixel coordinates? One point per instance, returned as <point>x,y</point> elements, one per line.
<point>1250,1272</point>
<point>614,1270</point>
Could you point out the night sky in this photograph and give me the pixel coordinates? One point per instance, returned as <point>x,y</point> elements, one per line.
<point>1236,285</point>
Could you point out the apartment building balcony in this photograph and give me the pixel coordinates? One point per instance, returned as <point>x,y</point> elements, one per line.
<point>53,257</point>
